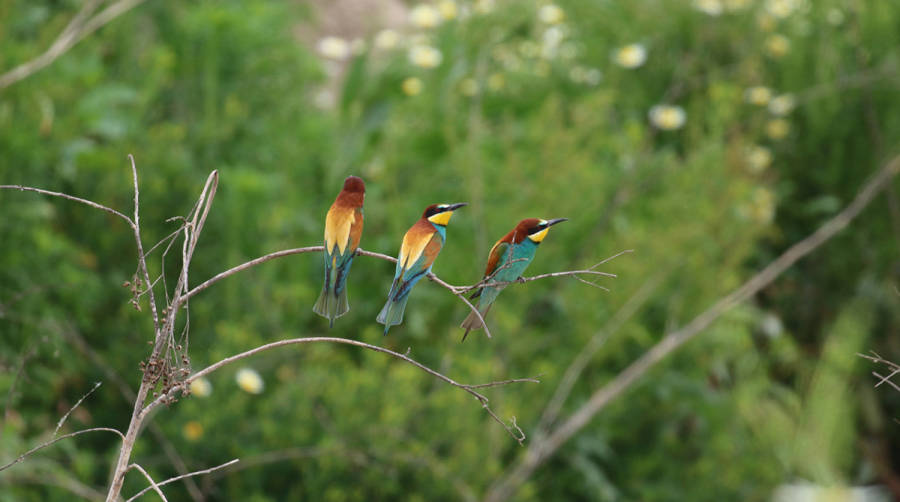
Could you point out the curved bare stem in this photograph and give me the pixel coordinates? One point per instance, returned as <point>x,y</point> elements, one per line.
<point>54,441</point>
<point>70,197</point>
<point>153,484</point>
<point>183,476</point>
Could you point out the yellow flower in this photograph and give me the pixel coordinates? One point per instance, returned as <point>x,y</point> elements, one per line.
<point>781,105</point>
<point>551,14</point>
<point>778,128</point>
<point>424,16</point>
<point>667,117</point>
<point>387,39</point>
<point>192,430</point>
<point>334,48</point>
<point>778,45</point>
<point>630,56</point>
<point>412,86</point>
<point>496,81</point>
<point>201,387</point>
<point>448,9</point>
<point>759,95</point>
<point>758,159</point>
<point>249,381</point>
<point>468,87</point>
<point>425,56</point>
<point>710,7</point>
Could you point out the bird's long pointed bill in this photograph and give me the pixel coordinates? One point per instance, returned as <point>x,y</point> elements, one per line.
<point>454,207</point>
<point>550,223</point>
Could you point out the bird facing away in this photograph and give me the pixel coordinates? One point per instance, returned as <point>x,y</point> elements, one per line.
<point>421,245</point>
<point>343,229</point>
<point>507,260</point>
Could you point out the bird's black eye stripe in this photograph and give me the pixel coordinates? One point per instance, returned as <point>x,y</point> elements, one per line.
<point>537,228</point>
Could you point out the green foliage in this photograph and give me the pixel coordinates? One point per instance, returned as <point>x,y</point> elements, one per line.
<point>522,117</point>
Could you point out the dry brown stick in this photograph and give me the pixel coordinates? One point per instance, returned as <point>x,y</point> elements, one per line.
<point>183,476</point>
<point>520,437</point>
<point>56,440</point>
<point>74,32</point>
<point>142,260</point>
<point>153,484</point>
<point>70,197</point>
<point>539,451</point>
<point>66,416</point>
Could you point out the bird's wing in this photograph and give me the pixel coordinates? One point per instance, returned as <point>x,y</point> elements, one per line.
<point>415,241</point>
<point>495,257</point>
<point>420,257</point>
<point>356,228</point>
<point>339,223</point>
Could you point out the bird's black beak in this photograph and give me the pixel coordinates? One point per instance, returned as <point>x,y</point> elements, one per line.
<point>550,223</point>
<point>454,207</point>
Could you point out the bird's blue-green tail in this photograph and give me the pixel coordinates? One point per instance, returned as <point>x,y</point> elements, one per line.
<point>392,313</point>
<point>332,302</point>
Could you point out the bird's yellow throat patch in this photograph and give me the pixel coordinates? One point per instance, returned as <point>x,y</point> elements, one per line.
<point>441,218</point>
<point>539,236</point>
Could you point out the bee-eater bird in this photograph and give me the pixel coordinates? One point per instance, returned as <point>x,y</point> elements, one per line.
<point>507,260</point>
<point>421,245</point>
<point>343,229</point>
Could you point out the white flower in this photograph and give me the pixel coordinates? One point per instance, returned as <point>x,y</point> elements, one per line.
<point>758,95</point>
<point>771,325</point>
<point>667,117</point>
<point>552,37</point>
<point>835,17</point>
<point>781,8</point>
<point>781,105</point>
<point>201,387</point>
<point>711,7</point>
<point>448,9</point>
<point>425,56</point>
<point>424,16</point>
<point>387,39</point>
<point>334,48</point>
<point>551,14</point>
<point>249,381</point>
<point>630,56</point>
<point>758,159</point>
<point>412,86</point>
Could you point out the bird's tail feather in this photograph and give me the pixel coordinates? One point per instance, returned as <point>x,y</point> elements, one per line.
<point>472,322</point>
<point>392,313</point>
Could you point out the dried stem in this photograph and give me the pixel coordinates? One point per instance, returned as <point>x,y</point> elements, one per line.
<point>184,476</point>
<point>64,417</point>
<point>153,484</point>
<point>56,440</point>
<point>70,197</point>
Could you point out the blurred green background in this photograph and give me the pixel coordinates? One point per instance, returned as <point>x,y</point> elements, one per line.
<point>707,136</point>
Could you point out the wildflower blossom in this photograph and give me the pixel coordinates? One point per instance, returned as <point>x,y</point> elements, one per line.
<point>835,17</point>
<point>387,39</point>
<point>192,430</point>
<point>710,7</point>
<point>334,48</point>
<point>448,9</point>
<point>425,56</point>
<point>758,158</point>
<point>249,381</point>
<point>630,56</point>
<point>781,8</point>
<point>412,86</point>
<point>551,14</point>
<point>778,128</point>
<point>201,387</point>
<point>424,16</point>
<point>667,117</point>
<point>484,6</point>
<point>758,95</point>
<point>778,45</point>
<point>781,105</point>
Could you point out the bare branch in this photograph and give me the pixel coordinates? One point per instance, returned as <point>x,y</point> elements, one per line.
<point>281,343</point>
<point>183,476</point>
<point>505,487</point>
<point>153,484</point>
<point>70,197</point>
<point>54,441</point>
<point>64,417</point>
<point>74,32</point>
<point>142,261</point>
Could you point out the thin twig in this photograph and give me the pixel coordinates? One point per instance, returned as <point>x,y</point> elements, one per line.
<point>153,484</point>
<point>539,451</point>
<point>70,197</point>
<point>142,261</point>
<point>281,343</point>
<point>64,417</point>
<point>54,441</point>
<point>183,476</point>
